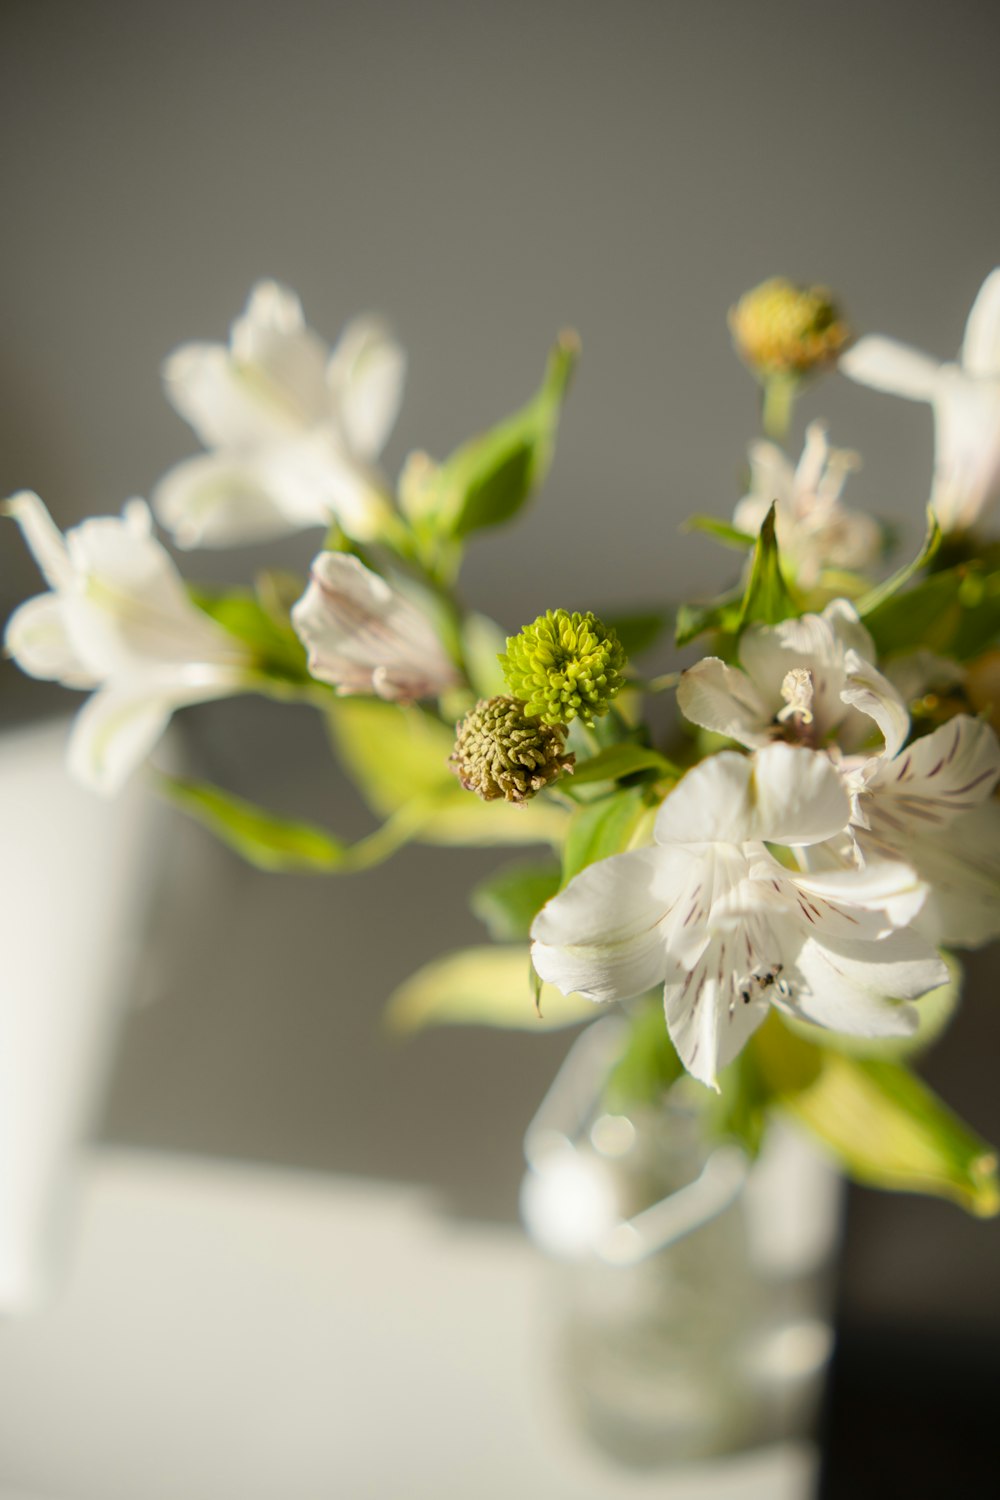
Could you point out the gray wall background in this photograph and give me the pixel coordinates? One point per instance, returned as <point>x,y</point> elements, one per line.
<point>484,174</point>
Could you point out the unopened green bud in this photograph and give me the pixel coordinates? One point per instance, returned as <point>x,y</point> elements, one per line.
<point>500,752</point>
<point>564,667</point>
<point>783,329</point>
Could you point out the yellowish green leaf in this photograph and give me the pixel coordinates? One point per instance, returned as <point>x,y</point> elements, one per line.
<point>485,986</point>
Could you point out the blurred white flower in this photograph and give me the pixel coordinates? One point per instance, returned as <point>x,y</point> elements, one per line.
<point>933,805</point>
<point>815,532</point>
<point>806,680</point>
<point>966,401</point>
<point>364,636</point>
<point>293,430</point>
<point>709,913</point>
<point>117,619</point>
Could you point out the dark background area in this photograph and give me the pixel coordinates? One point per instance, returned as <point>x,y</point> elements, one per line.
<point>484,175</point>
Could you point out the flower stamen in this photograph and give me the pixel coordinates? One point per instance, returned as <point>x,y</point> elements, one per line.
<point>798,691</point>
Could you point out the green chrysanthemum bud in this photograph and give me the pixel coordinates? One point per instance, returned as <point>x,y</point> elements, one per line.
<point>499,752</point>
<point>564,667</point>
<point>783,329</point>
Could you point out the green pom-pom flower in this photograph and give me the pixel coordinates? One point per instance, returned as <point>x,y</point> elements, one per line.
<point>564,667</point>
<point>499,752</point>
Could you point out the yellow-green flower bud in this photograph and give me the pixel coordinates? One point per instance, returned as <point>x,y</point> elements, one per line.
<point>564,667</point>
<point>500,752</point>
<point>783,329</point>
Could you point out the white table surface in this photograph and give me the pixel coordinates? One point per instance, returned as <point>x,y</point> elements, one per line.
<point>225,1330</point>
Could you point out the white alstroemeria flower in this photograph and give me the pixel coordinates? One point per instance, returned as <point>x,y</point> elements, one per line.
<point>815,532</point>
<point>933,805</point>
<point>118,619</point>
<point>966,401</point>
<point>293,430</point>
<point>364,636</point>
<point>807,680</point>
<point>710,914</point>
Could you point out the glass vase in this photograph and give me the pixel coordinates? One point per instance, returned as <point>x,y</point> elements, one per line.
<point>691,1298</point>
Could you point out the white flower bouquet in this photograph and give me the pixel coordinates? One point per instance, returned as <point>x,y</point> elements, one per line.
<point>784,881</point>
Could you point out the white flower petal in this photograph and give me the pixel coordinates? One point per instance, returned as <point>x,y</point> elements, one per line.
<point>39,641</point>
<point>952,770</point>
<point>887,365</point>
<point>771,475</point>
<point>961,864</point>
<point>226,499</point>
<point>602,936</point>
<point>364,636</point>
<point>130,609</point>
<point>833,998</point>
<point>43,537</point>
<point>967,448</point>
<point>365,377</point>
<point>847,630</point>
<point>874,695</point>
<point>782,795</point>
<point>112,735</point>
<point>981,347</point>
<point>860,904</point>
<point>722,698</point>
<point>708,1021</point>
<point>119,725</point>
<point>268,385</point>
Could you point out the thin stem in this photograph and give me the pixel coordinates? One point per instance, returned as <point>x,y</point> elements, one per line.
<point>777,405</point>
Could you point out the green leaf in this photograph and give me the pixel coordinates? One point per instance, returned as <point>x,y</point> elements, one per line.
<point>399,759</point>
<point>601,829</point>
<point>623,759</point>
<point>486,986</point>
<point>270,843</point>
<point>722,613</point>
<point>508,901</point>
<point>890,1131</point>
<point>276,648</point>
<point>730,536</point>
<point>488,479</point>
<point>637,632</point>
<point>766,598</point>
<point>952,613</point>
<point>892,586</point>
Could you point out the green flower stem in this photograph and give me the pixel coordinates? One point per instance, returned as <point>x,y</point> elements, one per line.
<point>391,835</point>
<point>777,405</point>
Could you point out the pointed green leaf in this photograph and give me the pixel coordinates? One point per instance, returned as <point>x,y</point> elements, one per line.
<point>270,843</point>
<point>488,479</point>
<point>601,829</point>
<point>767,598</point>
<point>486,986</point>
<point>623,759</point>
<point>890,1131</point>
<point>508,901</point>
<point>728,535</point>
